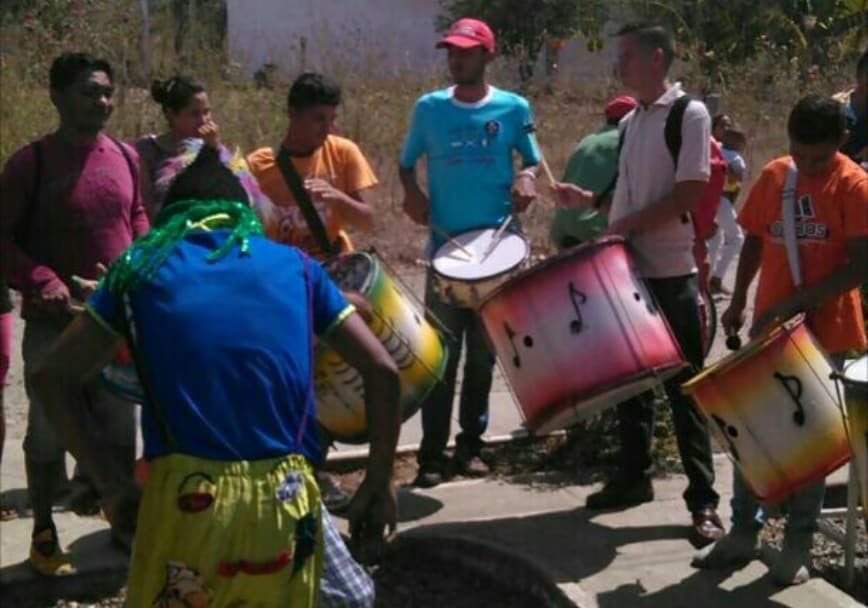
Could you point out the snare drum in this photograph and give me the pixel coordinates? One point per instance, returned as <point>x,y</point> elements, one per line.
<point>855,381</point>
<point>578,333</point>
<point>772,406</point>
<point>121,378</point>
<point>465,281</point>
<point>417,349</point>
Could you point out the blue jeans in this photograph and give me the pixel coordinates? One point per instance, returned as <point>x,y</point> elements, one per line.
<point>465,326</point>
<point>802,508</point>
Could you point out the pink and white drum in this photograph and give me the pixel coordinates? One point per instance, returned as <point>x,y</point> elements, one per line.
<point>772,405</point>
<point>578,333</point>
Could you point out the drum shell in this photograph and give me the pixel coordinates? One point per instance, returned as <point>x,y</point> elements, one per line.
<point>854,385</point>
<point>585,332</point>
<point>417,349</point>
<point>772,405</point>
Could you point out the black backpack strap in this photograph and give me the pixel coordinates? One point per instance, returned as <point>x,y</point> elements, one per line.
<point>672,130</point>
<point>302,199</point>
<point>134,170</point>
<point>610,189</point>
<point>124,310</point>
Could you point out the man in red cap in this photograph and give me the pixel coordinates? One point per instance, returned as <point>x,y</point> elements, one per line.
<point>468,133</point>
<point>592,166</point>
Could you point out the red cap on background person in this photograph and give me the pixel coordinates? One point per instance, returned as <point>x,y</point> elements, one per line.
<point>618,108</point>
<point>468,33</point>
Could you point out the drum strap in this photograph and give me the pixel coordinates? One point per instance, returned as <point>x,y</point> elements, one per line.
<point>125,309</point>
<point>302,199</point>
<point>788,217</point>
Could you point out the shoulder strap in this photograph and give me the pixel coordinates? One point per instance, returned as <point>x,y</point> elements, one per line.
<point>134,172</point>
<point>788,212</point>
<point>24,229</point>
<point>610,189</point>
<point>302,199</point>
<point>672,130</point>
<point>124,308</point>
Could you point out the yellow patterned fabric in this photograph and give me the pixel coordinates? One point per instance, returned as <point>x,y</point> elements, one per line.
<point>216,533</point>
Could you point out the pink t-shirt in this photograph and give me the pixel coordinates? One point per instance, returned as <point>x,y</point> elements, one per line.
<point>88,210</point>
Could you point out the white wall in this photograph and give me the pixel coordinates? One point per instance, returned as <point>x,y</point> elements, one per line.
<point>386,35</point>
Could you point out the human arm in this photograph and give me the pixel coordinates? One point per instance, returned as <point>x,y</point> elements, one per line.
<point>416,204</point>
<point>373,509</point>
<point>749,259</point>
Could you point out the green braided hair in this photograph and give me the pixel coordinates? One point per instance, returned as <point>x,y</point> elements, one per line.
<point>143,258</point>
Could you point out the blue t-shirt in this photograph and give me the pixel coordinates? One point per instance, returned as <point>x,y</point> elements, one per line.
<point>227,347</point>
<point>469,148</point>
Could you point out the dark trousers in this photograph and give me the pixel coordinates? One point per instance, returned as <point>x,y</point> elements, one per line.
<point>465,326</point>
<point>677,298</point>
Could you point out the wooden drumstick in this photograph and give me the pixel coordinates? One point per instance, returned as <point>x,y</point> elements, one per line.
<point>452,241</point>
<point>545,166</point>
<point>497,234</point>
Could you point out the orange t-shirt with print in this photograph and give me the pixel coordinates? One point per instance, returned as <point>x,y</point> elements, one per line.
<point>338,161</point>
<point>830,209</point>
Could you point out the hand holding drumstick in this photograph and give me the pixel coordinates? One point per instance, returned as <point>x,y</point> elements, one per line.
<point>568,195</point>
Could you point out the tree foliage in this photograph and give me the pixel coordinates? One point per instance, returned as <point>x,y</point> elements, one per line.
<point>523,27</point>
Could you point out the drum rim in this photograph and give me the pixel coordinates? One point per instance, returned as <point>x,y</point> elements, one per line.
<point>369,280</point>
<point>731,360</point>
<point>489,277</point>
<point>849,380</point>
<point>599,242</point>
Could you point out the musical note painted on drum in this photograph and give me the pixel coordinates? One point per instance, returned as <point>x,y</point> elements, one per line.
<point>577,298</point>
<point>729,433</point>
<point>510,334</point>
<point>793,386</point>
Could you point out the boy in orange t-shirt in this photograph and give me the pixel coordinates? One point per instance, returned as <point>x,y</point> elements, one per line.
<point>334,171</point>
<point>831,220</point>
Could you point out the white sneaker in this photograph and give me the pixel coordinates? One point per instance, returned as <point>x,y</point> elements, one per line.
<point>793,565</point>
<point>733,550</point>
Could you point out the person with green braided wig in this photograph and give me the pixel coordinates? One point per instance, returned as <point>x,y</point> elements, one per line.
<point>221,323</point>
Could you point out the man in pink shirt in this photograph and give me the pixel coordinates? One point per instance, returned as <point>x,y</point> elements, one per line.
<point>69,203</point>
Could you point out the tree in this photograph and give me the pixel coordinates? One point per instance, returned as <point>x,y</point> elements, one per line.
<point>524,27</point>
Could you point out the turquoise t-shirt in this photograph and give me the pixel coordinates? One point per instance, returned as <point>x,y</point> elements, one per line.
<point>227,347</point>
<point>469,152</point>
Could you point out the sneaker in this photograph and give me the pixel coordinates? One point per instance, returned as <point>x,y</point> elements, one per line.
<point>334,499</point>
<point>715,286</point>
<point>707,527</point>
<point>46,556</point>
<point>734,550</point>
<point>621,493</point>
<point>430,474</point>
<point>472,466</point>
<point>793,566</point>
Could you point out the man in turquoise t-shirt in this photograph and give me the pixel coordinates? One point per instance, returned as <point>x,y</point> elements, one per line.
<point>468,133</point>
<point>593,166</point>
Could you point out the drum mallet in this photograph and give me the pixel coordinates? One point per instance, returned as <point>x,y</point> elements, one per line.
<point>452,241</point>
<point>496,238</point>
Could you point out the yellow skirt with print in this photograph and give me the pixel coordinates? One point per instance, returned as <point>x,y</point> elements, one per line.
<point>223,534</point>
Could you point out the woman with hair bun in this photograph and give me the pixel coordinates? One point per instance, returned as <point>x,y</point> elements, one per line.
<point>190,126</point>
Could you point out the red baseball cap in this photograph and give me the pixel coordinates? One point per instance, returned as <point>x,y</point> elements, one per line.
<point>468,33</point>
<point>619,107</point>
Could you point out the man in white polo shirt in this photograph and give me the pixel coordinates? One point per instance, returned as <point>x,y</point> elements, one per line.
<point>654,195</point>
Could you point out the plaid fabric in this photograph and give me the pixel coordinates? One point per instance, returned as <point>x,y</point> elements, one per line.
<point>343,582</point>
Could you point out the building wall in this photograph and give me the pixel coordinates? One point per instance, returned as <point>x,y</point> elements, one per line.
<point>388,35</point>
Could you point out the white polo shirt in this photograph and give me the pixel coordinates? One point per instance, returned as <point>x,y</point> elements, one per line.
<point>646,174</point>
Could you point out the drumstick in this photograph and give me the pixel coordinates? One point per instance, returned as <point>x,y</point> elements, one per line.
<point>545,166</point>
<point>454,243</point>
<point>496,238</point>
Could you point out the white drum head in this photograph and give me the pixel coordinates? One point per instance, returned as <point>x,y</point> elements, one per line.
<point>856,371</point>
<point>510,251</point>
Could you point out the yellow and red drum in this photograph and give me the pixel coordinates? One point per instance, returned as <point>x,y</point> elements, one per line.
<point>578,333</point>
<point>854,379</point>
<point>417,349</point>
<point>772,405</point>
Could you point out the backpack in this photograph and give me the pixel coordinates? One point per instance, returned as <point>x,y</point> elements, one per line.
<point>705,211</point>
